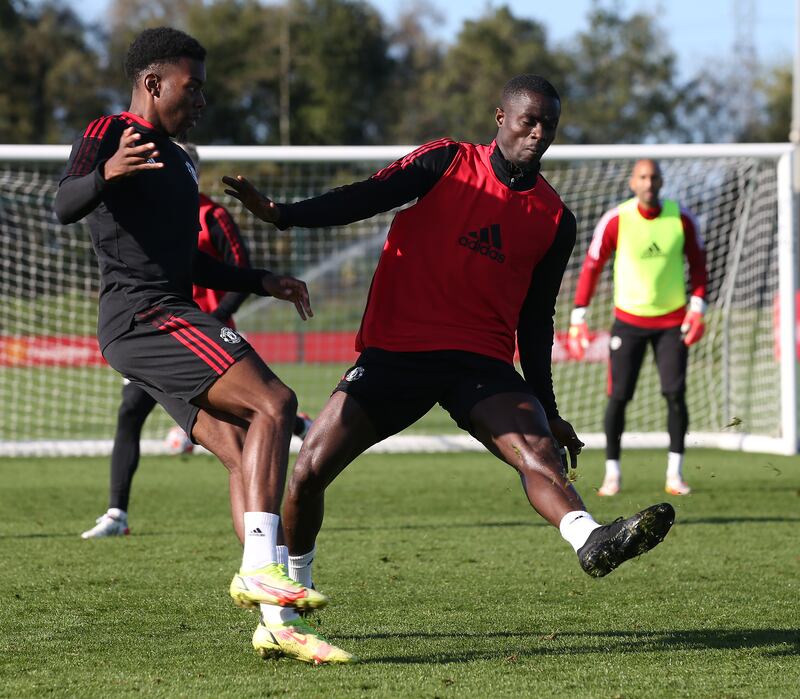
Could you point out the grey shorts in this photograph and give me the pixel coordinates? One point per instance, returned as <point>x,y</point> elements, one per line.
<point>175,352</point>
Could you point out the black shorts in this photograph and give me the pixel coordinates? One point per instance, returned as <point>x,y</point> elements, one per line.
<point>628,345</point>
<point>175,352</point>
<point>396,389</point>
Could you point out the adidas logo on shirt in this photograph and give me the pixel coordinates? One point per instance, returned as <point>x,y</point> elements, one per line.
<point>486,241</point>
<point>652,251</point>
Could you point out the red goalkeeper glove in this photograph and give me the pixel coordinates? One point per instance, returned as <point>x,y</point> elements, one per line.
<point>693,325</point>
<point>578,337</point>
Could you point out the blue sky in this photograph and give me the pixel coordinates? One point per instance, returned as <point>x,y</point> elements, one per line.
<point>700,31</point>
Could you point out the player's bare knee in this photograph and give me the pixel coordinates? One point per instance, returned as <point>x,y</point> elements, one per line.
<point>276,405</point>
<point>305,480</point>
<point>537,455</point>
<point>281,403</point>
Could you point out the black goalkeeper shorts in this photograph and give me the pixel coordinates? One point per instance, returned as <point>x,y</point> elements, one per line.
<point>175,352</point>
<point>396,389</point>
<point>628,345</point>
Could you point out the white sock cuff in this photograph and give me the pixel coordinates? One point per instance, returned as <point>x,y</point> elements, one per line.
<point>572,517</point>
<point>300,568</point>
<point>303,559</point>
<point>260,520</point>
<point>260,538</point>
<point>613,468</point>
<point>283,555</point>
<point>273,614</point>
<point>674,465</point>
<point>576,526</point>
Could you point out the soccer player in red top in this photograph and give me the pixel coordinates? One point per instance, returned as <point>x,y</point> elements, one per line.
<point>475,263</point>
<point>219,237</point>
<point>651,239</point>
<point>139,191</point>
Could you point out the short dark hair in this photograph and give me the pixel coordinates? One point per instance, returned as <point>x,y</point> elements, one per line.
<point>160,45</point>
<point>527,82</point>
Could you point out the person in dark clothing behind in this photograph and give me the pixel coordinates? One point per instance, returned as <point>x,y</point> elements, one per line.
<point>219,237</point>
<point>139,191</point>
<point>475,263</point>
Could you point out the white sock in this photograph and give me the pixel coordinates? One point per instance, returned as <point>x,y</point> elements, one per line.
<point>282,553</point>
<point>674,466</point>
<point>613,469</point>
<point>118,514</point>
<point>576,526</point>
<point>300,567</point>
<point>260,539</point>
<point>273,614</point>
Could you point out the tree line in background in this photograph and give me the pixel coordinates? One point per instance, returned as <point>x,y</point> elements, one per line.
<point>335,72</point>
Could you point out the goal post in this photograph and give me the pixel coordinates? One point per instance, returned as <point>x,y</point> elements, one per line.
<point>60,398</point>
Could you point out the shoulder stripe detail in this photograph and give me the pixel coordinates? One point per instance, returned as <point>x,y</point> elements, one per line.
<point>98,127</point>
<point>85,156</point>
<point>406,160</point>
<point>432,145</point>
<point>92,126</point>
<point>104,127</point>
<point>599,232</point>
<point>90,144</point>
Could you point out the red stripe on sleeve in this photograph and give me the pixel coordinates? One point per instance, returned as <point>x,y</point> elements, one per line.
<point>406,160</point>
<point>231,235</point>
<point>694,248</point>
<point>85,157</point>
<point>91,127</point>
<point>604,242</point>
<point>92,137</point>
<point>98,126</point>
<point>104,128</point>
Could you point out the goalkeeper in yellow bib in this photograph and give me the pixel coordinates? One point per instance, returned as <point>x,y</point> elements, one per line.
<point>651,238</point>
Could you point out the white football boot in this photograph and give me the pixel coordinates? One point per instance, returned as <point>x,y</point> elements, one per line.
<point>610,487</point>
<point>112,523</point>
<point>677,486</point>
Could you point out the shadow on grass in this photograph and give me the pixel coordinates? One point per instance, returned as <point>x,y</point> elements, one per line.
<point>680,521</point>
<point>73,535</point>
<point>735,520</point>
<point>437,525</point>
<point>540,643</point>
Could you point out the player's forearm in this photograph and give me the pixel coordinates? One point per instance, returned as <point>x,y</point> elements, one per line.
<point>230,304</point>
<point>79,196</point>
<point>401,182</point>
<point>698,273</point>
<point>535,343</point>
<point>213,274</point>
<point>536,329</point>
<point>353,202</point>
<point>587,281</point>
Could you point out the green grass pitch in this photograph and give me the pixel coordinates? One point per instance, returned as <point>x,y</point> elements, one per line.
<point>442,579</point>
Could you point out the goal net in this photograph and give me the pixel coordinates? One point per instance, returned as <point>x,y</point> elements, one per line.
<point>59,397</point>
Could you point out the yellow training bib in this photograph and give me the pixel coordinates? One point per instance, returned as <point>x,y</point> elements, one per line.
<point>649,265</point>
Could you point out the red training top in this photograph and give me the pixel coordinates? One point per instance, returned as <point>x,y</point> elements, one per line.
<point>457,265</point>
<point>220,238</point>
